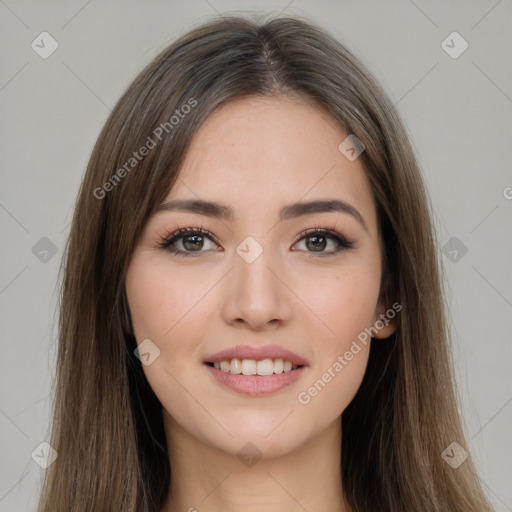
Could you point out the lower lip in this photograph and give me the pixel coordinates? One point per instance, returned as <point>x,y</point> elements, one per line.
<point>256,385</point>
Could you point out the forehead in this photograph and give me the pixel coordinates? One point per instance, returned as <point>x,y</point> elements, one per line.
<point>257,154</point>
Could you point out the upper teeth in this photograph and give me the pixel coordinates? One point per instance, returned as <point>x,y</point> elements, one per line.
<point>253,367</point>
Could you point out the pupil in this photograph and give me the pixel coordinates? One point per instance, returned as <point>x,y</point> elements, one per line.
<point>316,238</point>
<point>194,244</point>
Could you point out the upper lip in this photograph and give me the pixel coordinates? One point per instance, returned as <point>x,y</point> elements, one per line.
<point>256,353</point>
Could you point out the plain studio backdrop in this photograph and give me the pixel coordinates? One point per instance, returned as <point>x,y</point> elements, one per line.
<point>446,65</point>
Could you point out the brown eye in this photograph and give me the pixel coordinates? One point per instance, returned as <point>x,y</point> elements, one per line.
<point>191,241</point>
<point>316,241</point>
<point>188,240</point>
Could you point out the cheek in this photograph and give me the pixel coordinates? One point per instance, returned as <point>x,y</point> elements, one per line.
<point>332,389</point>
<point>344,301</point>
<point>161,302</point>
<point>347,303</point>
<point>168,308</point>
<point>341,355</point>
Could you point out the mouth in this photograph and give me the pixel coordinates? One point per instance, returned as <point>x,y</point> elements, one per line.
<point>255,371</point>
<point>260,368</point>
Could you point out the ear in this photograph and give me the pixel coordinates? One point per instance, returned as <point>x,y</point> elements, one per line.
<point>384,321</point>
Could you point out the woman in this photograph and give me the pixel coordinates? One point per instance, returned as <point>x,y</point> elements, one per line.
<point>252,313</point>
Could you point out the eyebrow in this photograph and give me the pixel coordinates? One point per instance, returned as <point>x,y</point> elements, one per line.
<point>216,210</point>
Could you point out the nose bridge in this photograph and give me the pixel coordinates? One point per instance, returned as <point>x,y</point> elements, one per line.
<point>253,261</point>
<point>257,294</point>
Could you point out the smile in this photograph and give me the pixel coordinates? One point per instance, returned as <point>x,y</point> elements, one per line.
<point>255,378</point>
<point>263,367</point>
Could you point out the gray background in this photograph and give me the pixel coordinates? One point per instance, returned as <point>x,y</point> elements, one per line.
<point>457,111</point>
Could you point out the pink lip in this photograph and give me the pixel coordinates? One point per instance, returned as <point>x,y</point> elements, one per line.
<point>256,385</point>
<point>256,353</point>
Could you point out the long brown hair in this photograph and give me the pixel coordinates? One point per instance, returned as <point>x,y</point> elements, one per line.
<point>107,422</point>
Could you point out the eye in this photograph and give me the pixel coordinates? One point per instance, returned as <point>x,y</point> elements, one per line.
<point>189,240</point>
<point>192,240</point>
<point>317,238</point>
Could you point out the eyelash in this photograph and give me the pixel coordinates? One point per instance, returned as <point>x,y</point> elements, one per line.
<point>166,242</point>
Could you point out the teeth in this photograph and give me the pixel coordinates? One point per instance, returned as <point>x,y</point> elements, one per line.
<point>249,367</point>
<point>265,367</point>
<point>253,367</point>
<point>235,366</point>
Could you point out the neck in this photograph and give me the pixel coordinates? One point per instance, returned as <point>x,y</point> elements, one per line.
<point>203,477</point>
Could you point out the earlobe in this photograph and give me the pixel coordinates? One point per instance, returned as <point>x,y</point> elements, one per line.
<point>386,330</point>
<point>384,322</point>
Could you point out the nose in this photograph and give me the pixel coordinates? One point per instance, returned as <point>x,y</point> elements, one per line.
<point>257,294</point>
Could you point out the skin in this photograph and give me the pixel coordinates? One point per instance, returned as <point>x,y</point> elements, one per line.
<point>257,155</point>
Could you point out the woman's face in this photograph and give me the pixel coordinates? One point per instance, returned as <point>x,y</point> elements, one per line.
<point>257,290</point>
